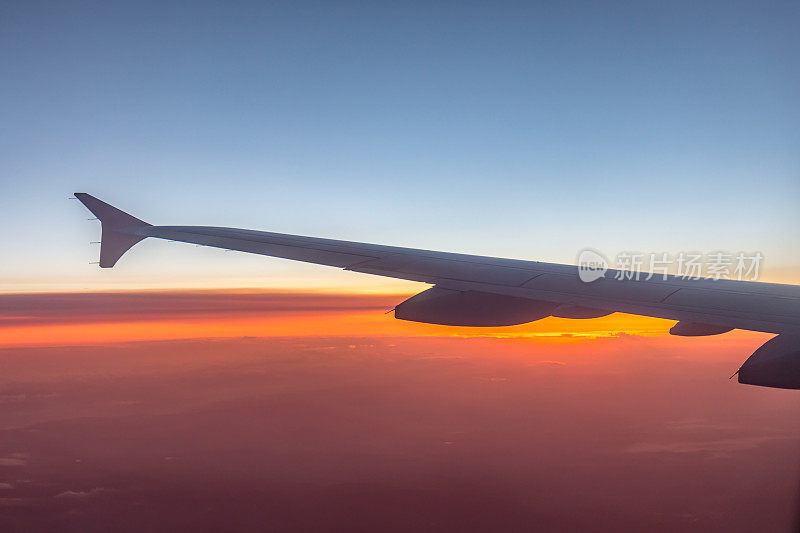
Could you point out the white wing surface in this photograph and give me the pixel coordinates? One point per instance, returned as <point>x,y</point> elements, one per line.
<point>471,290</point>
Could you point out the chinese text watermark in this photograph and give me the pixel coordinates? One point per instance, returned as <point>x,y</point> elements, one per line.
<point>742,266</point>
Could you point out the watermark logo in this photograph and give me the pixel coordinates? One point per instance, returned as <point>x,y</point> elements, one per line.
<point>742,266</point>
<point>592,265</point>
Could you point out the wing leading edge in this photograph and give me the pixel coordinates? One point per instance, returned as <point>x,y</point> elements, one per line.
<point>476,290</point>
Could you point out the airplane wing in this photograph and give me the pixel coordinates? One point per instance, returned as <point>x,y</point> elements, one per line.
<point>472,290</point>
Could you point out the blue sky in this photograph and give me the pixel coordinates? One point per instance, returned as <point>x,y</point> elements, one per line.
<point>523,130</point>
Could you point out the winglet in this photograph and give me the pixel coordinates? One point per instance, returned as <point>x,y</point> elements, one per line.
<point>115,241</point>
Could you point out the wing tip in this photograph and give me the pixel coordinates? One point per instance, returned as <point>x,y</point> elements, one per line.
<point>115,241</point>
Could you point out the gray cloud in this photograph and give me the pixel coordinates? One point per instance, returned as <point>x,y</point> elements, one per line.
<point>79,494</point>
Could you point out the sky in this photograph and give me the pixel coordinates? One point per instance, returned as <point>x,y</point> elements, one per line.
<point>525,130</point>
<point>191,388</point>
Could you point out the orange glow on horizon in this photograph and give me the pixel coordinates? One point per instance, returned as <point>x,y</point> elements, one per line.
<point>311,324</point>
<point>315,316</point>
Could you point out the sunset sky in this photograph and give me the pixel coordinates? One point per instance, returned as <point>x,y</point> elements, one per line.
<point>189,387</point>
<point>527,130</point>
